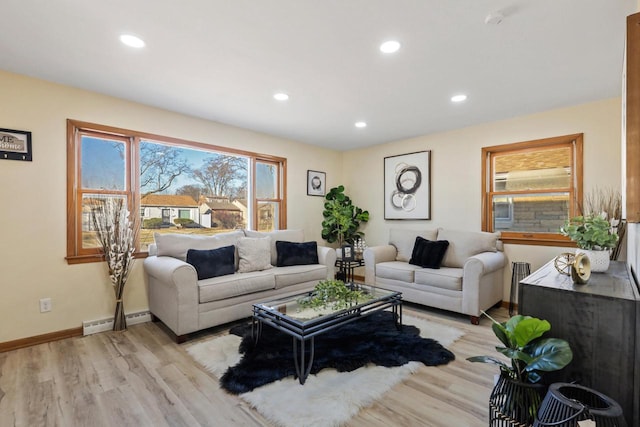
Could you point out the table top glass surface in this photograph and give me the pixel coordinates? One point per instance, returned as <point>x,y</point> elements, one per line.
<point>300,308</point>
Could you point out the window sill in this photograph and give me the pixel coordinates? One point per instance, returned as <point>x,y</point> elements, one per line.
<point>85,259</point>
<point>537,241</point>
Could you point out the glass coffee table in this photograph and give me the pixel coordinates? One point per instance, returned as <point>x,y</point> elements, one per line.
<point>293,316</point>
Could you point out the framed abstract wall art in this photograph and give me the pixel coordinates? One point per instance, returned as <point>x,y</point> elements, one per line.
<point>407,186</point>
<point>316,183</point>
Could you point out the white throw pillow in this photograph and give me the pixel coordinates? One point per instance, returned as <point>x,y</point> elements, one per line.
<point>465,244</point>
<point>254,254</point>
<point>176,245</point>
<point>289,235</point>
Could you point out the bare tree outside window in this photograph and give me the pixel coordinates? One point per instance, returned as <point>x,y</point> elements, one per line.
<point>222,175</point>
<point>160,166</point>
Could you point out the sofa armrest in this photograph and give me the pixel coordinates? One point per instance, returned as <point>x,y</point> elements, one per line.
<point>327,256</point>
<point>482,281</point>
<point>373,255</point>
<point>173,292</point>
<point>485,262</point>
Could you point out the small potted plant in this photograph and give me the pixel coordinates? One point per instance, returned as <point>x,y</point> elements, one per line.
<point>333,294</point>
<point>594,236</point>
<point>519,390</point>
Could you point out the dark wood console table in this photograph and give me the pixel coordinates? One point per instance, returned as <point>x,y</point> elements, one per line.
<point>599,320</point>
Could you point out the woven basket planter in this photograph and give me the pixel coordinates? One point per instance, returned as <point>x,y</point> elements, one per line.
<point>513,403</point>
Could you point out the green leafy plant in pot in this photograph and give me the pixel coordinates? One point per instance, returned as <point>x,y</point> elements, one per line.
<point>341,219</point>
<point>594,236</point>
<point>519,391</point>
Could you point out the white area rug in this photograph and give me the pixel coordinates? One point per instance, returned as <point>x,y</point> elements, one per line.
<point>329,398</point>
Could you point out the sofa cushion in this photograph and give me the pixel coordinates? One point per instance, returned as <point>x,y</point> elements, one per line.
<point>404,240</point>
<point>176,245</point>
<point>212,262</point>
<point>465,244</point>
<point>396,270</point>
<point>292,253</point>
<point>223,287</point>
<point>296,274</point>
<point>445,278</point>
<point>428,253</point>
<point>285,235</point>
<point>254,254</point>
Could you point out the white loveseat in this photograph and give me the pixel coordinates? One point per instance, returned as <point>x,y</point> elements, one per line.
<point>185,304</point>
<point>469,280</point>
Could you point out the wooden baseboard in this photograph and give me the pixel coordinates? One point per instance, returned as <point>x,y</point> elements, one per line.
<point>40,339</point>
<point>505,304</point>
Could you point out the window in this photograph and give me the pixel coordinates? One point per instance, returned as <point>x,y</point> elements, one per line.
<point>171,185</point>
<point>531,188</point>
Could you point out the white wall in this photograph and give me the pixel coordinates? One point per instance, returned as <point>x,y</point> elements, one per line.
<point>33,194</point>
<point>33,200</point>
<point>456,170</point>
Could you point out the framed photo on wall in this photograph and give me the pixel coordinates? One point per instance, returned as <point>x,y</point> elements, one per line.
<point>316,183</point>
<point>15,145</point>
<point>347,253</point>
<point>407,186</point>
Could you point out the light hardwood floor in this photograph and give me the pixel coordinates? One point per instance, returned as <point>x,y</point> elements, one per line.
<point>142,378</point>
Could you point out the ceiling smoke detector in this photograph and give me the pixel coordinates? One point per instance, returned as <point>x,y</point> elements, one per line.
<point>494,18</point>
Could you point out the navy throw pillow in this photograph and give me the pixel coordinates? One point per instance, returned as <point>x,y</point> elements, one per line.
<point>290,253</point>
<point>428,253</point>
<point>213,262</point>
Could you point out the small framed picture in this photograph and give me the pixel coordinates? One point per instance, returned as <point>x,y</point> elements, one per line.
<point>316,183</point>
<point>347,253</point>
<point>15,145</point>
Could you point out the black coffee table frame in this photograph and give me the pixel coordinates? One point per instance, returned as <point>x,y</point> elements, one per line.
<point>303,331</point>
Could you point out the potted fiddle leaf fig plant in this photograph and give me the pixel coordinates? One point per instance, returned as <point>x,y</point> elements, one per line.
<point>341,219</point>
<point>519,390</point>
<point>594,237</point>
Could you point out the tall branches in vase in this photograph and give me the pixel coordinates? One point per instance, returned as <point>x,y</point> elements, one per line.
<point>116,234</point>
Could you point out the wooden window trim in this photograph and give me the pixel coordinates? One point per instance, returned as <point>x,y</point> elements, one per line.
<point>523,238</point>
<point>281,169</point>
<point>74,223</point>
<point>632,119</point>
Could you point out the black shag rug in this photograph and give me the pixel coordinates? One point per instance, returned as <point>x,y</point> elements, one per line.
<point>373,339</point>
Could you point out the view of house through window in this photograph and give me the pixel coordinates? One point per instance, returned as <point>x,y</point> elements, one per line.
<point>172,188</point>
<point>191,190</point>
<point>533,187</point>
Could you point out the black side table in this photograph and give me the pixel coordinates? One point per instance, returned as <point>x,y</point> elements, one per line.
<point>346,268</point>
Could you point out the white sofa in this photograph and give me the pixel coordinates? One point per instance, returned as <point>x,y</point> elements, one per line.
<point>185,304</point>
<point>469,280</point>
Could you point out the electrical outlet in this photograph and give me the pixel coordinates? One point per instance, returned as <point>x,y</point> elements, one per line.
<point>45,305</point>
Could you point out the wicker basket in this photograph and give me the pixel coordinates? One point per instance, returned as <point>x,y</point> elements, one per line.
<point>513,403</point>
<point>566,404</point>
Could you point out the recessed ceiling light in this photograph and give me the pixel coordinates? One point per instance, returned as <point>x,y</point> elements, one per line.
<point>361,124</point>
<point>458,98</point>
<point>390,46</point>
<point>281,96</point>
<point>132,41</point>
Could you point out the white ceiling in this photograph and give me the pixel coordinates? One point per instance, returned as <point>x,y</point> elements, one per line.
<point>224,59</point>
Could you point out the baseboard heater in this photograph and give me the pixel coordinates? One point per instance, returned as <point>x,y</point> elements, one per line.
<point>95,326</point>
